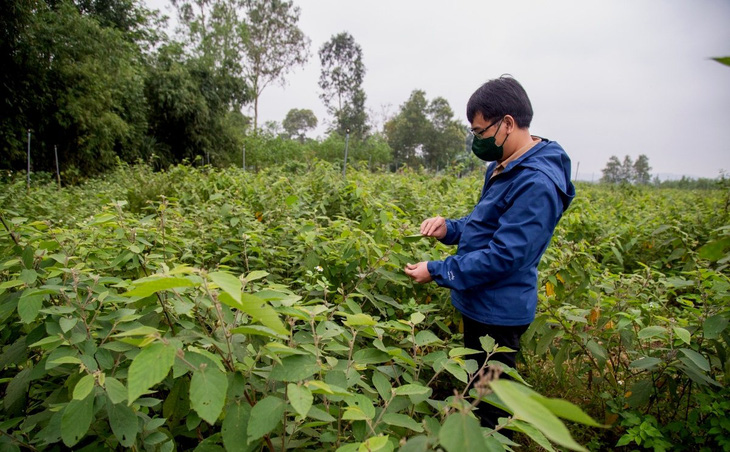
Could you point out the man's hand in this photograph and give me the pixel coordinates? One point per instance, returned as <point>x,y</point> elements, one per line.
<point>418,272</point>
<point>434,227</point>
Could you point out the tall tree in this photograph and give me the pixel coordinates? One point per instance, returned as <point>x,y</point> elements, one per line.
<point>425,132</point>
<point>612,171</point>
<point>273,43</point>
<point>410,130</point>
<point>447,134</point>
<point>214,32</point>
<point>641,170</point>
<point>341,81</point>
<point>627,170</point>
<point>297,122</point>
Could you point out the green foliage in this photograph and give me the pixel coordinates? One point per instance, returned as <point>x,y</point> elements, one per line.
<point>240,310</point>
<point>297,122</point>
<point>274,44</point>
<point>341,81</point>
<point>628,172</point>
<point>635,311</point>
<point>425,132</point>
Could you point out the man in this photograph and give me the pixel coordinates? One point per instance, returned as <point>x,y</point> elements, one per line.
<point>493,276</point>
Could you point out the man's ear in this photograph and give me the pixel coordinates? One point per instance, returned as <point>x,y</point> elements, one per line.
<point>509,123</point>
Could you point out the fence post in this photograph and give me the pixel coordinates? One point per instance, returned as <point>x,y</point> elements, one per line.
<point>347,141</point>
<point>58,170</point>
<point>28,173</point>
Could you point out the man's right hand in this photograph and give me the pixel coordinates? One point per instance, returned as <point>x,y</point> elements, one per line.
<point>434,227</point>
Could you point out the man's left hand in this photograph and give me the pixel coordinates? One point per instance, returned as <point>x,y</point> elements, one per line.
<point>418,272</point>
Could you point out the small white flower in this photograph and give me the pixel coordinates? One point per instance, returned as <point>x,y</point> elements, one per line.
<point>319,269</point>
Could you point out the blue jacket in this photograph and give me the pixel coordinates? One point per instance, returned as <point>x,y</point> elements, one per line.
<point>493,276</point>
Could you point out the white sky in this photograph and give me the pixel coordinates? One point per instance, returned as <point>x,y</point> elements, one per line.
<point>609,77</point>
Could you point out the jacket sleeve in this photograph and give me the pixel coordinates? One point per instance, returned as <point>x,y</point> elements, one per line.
<point>453,231</point>
<point>523,232</point>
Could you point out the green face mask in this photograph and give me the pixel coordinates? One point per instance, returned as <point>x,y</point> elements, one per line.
<point>486,148</point>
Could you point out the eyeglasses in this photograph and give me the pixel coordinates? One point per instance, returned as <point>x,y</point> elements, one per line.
<point>478,133</point>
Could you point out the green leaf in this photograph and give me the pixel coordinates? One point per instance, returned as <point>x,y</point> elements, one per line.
<point>413,238</point>
<point>257,309</point>
<point>714,325</point>
<point>461,433</point>
<point>641,391</point>
<point>29,305</point>
<point>300,397</point>
<point>651,332</point>
<point>148,368</point>
<point>370,356</point>
<point>461,351</point>
<point>355,413</point>
<point>723,60</point>
<point>645,363</point>
<point>208,389</point>
<point>115,390</point>
<point>417,318</point>
<point>567,410</point>
<point>715,250</point>
<point>102,218</point>
<point>255,275</point>
<point>534,434</point>
<point>382,385</point>
<point>528,409</point>
<point>426,337</point>
<point>258,330</point>
<point>265,416</point>
<point>401,420</point>
<point>487,343</point>
<point>157,284</point>
<point>699,360</point>
<point>235,426</point>
<point>417,443</point>
<point>374,443</point>
<point>83,387</point>
<point>320,415</point>
<point>76,420</point>
<point>291,200</point>
<point>67,323</point>
<point>123,422</point>
<point>359,320</point>
<point>456,370</point>
<point>682,334</point>
<point>295,368</point>
<point>228,283</point>
<point>16,390</point>
<point>597,351</point>
<point>412,389</point>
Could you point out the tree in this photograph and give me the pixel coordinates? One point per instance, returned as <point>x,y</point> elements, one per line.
<point>641,170</point>
<point>612,171</point>
<point>425,132</point>
<point>273,44</point>
<point>341,81</point>
<point>214,31</point>
<point>297,122</point>
<point>447,134</point>
<point>73,73</point>
<point>627,170</point>
<point>409,130</point>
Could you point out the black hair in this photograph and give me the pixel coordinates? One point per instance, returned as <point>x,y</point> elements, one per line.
<point>499,97</point>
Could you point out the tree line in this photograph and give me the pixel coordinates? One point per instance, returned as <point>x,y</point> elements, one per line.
<point>100,81</point>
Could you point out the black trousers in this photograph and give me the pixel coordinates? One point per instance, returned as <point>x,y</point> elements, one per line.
<point>507,336</point>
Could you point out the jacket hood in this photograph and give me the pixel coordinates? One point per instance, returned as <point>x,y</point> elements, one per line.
<point>549,158</point>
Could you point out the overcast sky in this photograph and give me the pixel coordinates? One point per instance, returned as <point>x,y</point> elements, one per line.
<point>609,77</point>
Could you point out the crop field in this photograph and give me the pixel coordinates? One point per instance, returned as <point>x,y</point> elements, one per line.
<point>206,309</point>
